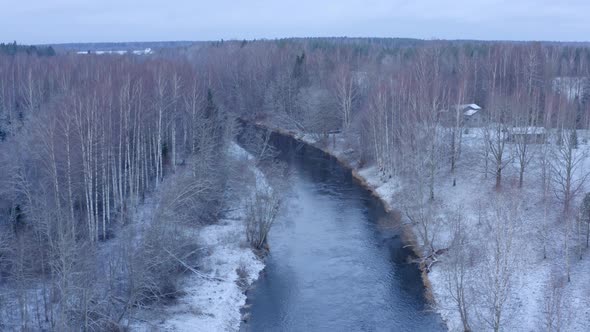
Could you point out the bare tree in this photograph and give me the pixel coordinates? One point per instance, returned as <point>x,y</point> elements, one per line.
<point>283,100</point>
<point>457,270</point>
<point>319,118</point>
<point>261,213</point>
<point>345,91</point>
<point>496,134</point>
<point>585,216</point>
<point>499,266</point>
<point>527,104</point>
<point>569,176</point>
<point>4,261</point>
<point>546,179</point>
<point>523,147</point>
<point>567,221</point>
<point>429,99</point>
<point>555,306</point>
<point>456,116</point>
<point>257,142</point>
<point>423,215</point>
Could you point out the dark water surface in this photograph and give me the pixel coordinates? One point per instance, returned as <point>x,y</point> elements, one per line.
<point>333,265</point>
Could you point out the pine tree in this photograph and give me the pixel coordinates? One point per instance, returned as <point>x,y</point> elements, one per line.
<point>299,74</point>
<point>214,119</point>
<point>210,108</point>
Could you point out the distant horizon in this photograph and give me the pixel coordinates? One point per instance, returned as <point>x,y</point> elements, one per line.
<point>295,37</point>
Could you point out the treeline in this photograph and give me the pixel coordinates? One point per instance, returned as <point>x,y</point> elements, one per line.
<point>393,96</point>
<point>85,139</point>
<point>398,100</point>
<point>13,48</point>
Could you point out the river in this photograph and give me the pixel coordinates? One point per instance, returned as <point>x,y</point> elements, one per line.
<point>336,261</point>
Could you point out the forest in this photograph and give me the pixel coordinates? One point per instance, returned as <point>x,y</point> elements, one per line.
<point>88,139</point>
<point>14,48</point>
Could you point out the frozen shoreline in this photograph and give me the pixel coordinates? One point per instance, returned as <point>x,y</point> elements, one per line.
<point>213,301</point>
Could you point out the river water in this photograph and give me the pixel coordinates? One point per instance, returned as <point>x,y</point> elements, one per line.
<point>336,261</point>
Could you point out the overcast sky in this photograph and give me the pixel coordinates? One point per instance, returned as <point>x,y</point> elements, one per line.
<point>61,21</point>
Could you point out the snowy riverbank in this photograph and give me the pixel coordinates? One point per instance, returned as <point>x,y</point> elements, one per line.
<point>537,294</point>
<point>212,300</point>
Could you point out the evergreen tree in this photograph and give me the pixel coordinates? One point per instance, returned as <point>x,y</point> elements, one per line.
<point>214,119</point>
<point>299,74</point>
<point>13,49</point>
<point>210,108</point>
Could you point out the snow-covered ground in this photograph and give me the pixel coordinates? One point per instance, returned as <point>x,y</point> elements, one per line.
<point>533,295</point>
<point>213,299</point>
<point>537,222</point>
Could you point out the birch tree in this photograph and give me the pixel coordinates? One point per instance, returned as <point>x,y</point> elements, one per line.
<point>457,272</point>
<point>346,93</point>
<point>569,176</point>
<point>499,267</point>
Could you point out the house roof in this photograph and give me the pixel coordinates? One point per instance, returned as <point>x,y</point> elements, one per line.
<point>470,106</point>
<point>470,112</point>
